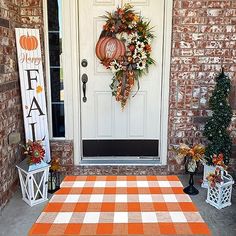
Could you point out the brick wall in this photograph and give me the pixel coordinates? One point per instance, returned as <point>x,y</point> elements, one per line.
<point>204,39</point>
<point>10,101</point>
<point>64,151</point>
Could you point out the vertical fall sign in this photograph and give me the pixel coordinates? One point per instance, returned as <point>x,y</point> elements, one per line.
<point>32,87</point>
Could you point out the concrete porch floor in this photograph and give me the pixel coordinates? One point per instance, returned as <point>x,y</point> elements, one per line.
<point>17,217</point>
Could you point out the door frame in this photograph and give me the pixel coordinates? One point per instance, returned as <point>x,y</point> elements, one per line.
<point>72,89</point>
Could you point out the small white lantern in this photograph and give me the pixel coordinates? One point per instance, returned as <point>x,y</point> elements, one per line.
<point>220,195</point>
<point>34,182</point>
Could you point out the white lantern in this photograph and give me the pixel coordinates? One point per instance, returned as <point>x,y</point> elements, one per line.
<point>34,182</point>
<point>219,196</point>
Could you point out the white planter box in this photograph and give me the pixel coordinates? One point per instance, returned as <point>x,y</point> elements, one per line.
<point>207,169</point>
<point>220,195</point>
<point>34,183</point>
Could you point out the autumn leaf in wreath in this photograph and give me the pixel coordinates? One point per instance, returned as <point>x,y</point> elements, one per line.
<point>124,47</point>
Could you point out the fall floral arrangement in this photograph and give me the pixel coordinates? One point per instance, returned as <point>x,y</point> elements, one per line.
<point>218,160</point>
<point>55,164</point>
<point>125,48</point>
<point>34,151</point>
<point>191,155</point>
<point>215,177</point>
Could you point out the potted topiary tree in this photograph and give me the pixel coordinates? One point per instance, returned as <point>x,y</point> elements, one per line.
<point>219,145</point>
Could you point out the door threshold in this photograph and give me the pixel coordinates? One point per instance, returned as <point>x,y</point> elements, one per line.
<point>120,162</point>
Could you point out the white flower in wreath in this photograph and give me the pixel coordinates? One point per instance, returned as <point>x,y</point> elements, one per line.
<point>132,25</point>
<point>119,36</point>
<point>132,38</point>
<point>139,54</point>
<point>143,55</point>
<point>122,36</point>
<point>141,65</point>
<point>115,67</point>
<point>125,35</point>
<point>140,46</point>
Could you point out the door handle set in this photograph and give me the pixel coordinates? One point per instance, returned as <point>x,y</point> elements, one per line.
<point>84,81</point>
<point>84,63</point>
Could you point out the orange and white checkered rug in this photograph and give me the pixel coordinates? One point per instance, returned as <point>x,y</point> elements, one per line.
<point>120,205</point>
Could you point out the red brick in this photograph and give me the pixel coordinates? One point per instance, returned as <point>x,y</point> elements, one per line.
<point>206,31</point>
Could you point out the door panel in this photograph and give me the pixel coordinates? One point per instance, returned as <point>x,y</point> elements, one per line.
<point>102,116</point>
<point>103,105</point>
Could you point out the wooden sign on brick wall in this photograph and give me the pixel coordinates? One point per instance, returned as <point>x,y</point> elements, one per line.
<point>32,86</point>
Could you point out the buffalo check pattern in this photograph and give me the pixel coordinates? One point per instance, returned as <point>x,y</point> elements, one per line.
<point>120,205</point>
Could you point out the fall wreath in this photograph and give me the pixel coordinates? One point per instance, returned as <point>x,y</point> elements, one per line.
<point>124,47</point>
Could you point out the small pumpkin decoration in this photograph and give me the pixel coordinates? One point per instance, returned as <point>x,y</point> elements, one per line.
<point>109,49</point>
<point>28,42</point>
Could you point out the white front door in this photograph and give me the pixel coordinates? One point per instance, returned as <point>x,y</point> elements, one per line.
<point>103,120</point>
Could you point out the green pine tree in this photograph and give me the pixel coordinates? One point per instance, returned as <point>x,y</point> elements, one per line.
<point>216,126</point>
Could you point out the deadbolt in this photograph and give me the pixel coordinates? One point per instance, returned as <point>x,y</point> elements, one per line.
<point>84,63</point>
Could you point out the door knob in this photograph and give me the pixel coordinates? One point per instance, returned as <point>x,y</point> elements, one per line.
<point>84,81</point>
<point>84,63</point>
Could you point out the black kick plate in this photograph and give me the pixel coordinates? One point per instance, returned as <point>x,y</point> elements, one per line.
<point>94,148</point>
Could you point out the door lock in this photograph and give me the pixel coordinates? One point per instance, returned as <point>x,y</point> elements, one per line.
<point>84,63</point>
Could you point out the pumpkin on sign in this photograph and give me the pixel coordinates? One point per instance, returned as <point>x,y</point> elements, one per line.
<point>28,42</point>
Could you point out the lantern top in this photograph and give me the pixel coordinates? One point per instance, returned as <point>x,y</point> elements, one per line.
<point>25,166</point>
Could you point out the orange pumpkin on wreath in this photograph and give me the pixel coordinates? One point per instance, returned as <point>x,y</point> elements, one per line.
<point>109,49</point>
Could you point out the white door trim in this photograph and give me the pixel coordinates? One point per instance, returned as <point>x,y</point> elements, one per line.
<point>167,45</point>
<point>70,47</point>
<point>72,90</point>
